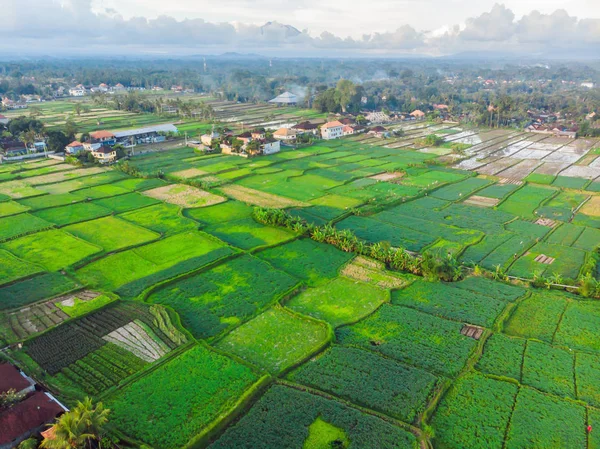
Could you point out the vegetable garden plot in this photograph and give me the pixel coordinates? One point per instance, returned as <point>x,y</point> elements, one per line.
<point>375,231</point>
<point>508,251</point>
<point>373,272</point>
<point>461,189</point>
<point>47,201</point>
<point>220,213</point>
<point>502,356</point>
<point>248,234</point>
<point>545,421</point>
<point>448,302</point>
<point>198,387</point>
<point>370,380</point>
<point>136,327</point>
<point>549,369</point>
<point>431,179</point>
<point>435,229</point>
<point>14,226</point>
<point>81,183</point>
<point>130,272</point>
<point>370,190</point>
<point>11,208</point>
<point>263,427</point>
<point>493,289</point>
<point>525,200</point>
<point>588,240</point>
<point>474,413</point>
<point>562,206</point>
<point>184,195</point>
<point>13,268</point>
<point>579,326</point>
<point>276,339</point>
<point>259,198</point>
<point>19,189</point>
<point>567,262</point>
<point>570,183</point>
<point>566,234</point>
<point>339,302</point>
<point>308,260</point>
<point>52,249</point>
<point>111,233</point>
<point>163,218</point>
<point>537,316</point>
<point>34,289</point>
<point>587,374</point>
<point>413,337</point>
<point>214,301</point>
<point>102,191</point>
<point>475,254</point>
<point>139,184</point>
<point>124,203</point>
<point>528,229</point>
<point>73,213</point>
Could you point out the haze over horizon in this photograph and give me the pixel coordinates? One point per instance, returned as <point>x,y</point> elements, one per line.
<point>300,28</point>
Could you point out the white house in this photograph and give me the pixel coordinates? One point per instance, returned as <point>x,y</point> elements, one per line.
<point>588,85</point>
<point>332,130</point>
<point>270,147</point>
<point>4,120</point>
<point>78,91</point>
<point>74,147</point>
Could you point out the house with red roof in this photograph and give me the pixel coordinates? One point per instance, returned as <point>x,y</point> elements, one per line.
<point>104,137</point>
<point>74,147</point>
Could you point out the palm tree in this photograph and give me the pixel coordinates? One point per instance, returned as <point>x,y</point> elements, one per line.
<point>77,428</point>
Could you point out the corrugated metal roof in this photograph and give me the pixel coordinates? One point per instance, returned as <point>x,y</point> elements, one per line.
<point>150,129</point>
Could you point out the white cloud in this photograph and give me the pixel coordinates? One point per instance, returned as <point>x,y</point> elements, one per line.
<point>51,26</point>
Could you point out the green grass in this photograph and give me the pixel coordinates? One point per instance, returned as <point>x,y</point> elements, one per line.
<point>124,203</point>
<point>111,233</point>
<point>47,201</point>
<point>579,326</point>
<point>81,307</point>
<point>364,377</point>
<point>322,435</point>
<point>570,183</point>
<point>524,201</point>
<point>339,302</point>
<point>248,234</point>
<point>498,191</point>
<point>220,213</point>
<point>502,356</point>
<point>11,208</point>
<point>197,387</point>
<point>549,369</point>
<point>163,218</point>
<point>539,178</point>
<point>35,289</point>
<point>308,260</point>
<point>543,421</point>
<point>275,340</point>
<point>73,213</point>
<point>474,414</point>
<point>141,266</point>
<point>52,249</point>
<point>16,225</point>
<point>537,316</point>
<point>219,299</point>
<point>13,268</point>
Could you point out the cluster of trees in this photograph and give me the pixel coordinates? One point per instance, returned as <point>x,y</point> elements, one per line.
<point>29,130</point>
<point>433,265</point>
<point>344,97</point>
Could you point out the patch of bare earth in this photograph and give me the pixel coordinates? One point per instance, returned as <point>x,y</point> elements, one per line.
<point>482,201</point>
<point>184,196</point>
<point>258,198</point>
<point>388,176</point>
<point>189,173</point>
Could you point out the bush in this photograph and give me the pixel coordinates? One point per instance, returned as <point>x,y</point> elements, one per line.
<point>443,267</point>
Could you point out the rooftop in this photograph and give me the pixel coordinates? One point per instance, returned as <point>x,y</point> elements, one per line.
<point>147,130</point>
<point>11,378</point>
<point>101,134</point>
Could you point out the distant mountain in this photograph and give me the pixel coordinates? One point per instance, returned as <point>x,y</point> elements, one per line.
<point>289,30</point>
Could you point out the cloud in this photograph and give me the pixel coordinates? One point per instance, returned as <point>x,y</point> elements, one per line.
<point>51,26</point>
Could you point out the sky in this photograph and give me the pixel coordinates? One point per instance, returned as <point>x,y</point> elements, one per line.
<point>299,27</point>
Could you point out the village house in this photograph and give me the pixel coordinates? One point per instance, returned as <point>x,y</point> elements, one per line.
<point>306,127</point>
<point>332,130</point>
<point>379,131</point>
<point>258,134</point>
<point>74,147</point>
<point>207,139</point>
<point>4,120</point>
<point>245,137</point>
<point>270,146</point>
<point>118,87</point>
<point>377,117</point>
<point>146,135</point>
<point>418,114</point>
<point>10,104</point>
<point>103,137</point>
<point>77,91</point>
<point>105,154</point>
<point>285,134</point>
<point>29,416</point>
